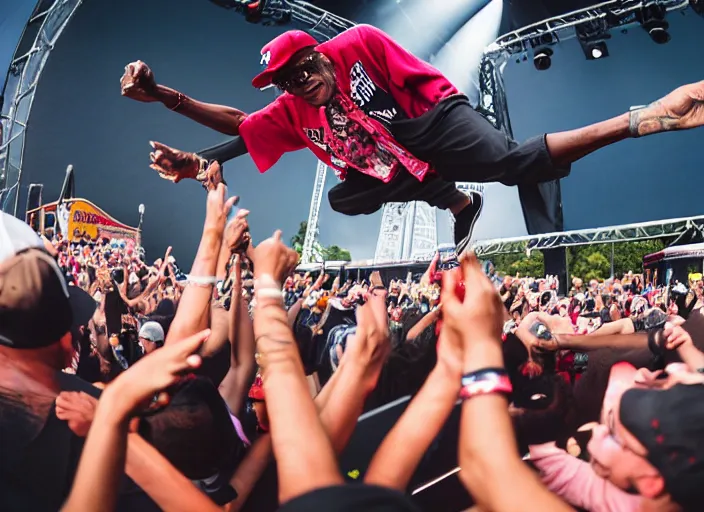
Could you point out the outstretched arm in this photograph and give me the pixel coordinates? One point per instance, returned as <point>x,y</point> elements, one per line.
<point>220,118</point>
<point>139,84</point>
<point>225,151</point>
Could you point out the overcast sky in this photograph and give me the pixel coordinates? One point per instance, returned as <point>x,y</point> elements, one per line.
<point>79,118</point>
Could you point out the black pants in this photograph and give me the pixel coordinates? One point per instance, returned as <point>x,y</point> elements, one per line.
<point>462,146</point>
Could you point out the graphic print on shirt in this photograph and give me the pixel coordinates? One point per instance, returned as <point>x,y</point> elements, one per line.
<point>316,136</point>
<point>374,101</point>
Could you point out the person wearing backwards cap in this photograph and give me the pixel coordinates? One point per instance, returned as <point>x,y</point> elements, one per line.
<point>38,314</point>
<point>393,126</point>
<point>151,337</point>
<point>649,441</point>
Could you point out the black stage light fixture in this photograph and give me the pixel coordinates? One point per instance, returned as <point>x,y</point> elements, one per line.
<point>594,49</point>
<point>542,59</point>
<point>592,38</point>
<point>697,6</point>
<point>598,50</point>
<point>652,19</point>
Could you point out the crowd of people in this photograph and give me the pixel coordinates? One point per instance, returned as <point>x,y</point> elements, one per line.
<point>131,386</point>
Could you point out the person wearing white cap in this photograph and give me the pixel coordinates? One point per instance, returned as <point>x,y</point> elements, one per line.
<point>151,336</point>
<point>39,314</point>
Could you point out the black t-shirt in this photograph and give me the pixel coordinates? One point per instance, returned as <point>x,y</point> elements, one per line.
<point>38,475</point>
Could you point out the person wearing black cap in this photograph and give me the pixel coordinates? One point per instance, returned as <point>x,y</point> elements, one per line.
<point>38,314</point>
<point>394,127</point>
<point>650,438</point>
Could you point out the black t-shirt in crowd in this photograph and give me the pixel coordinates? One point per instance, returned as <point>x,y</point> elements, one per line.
<point>37,475</point>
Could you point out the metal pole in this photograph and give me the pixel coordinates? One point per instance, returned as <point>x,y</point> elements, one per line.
<point>568,281</point>
<point>612,259</point>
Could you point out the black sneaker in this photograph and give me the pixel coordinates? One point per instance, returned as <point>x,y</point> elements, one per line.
<point>465,220</point>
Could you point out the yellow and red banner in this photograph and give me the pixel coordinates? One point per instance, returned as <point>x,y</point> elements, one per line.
<point>87,220</point>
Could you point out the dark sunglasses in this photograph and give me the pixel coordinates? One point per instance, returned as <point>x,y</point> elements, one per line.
<point>299,75</point>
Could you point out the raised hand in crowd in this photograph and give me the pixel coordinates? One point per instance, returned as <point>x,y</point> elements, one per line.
<point>299,441</point>
<point>316,285</point>
<point>370,344</point>
<point>193,313</point>
<point>103,459</point>
<point>398,456</point>
<point>218,207</point>
<point>429,274</point>
<point>488,455</point>
<point>237,235</point>
<point>274,260</point>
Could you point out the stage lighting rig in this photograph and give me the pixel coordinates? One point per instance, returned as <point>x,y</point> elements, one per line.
<point>592,38</point>
<point>266,12</point>
<point>542,54</point>
<point>542,59</point>
<point>652,19</point>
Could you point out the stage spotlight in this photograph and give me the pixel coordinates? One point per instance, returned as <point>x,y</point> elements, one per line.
<point>542,59</point>
<point>657,30</point>
<point>652,19</point>
<point>594,50</point>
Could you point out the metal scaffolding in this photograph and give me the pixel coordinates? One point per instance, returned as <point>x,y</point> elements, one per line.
<point>48,21</point>
<point>670,228</point>
<point>309,255</point>
<point>597,19</point>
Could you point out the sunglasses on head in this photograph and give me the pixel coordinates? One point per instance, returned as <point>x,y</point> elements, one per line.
<point>299,75</point>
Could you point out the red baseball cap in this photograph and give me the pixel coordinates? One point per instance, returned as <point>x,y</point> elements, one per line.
<point>277,52</point>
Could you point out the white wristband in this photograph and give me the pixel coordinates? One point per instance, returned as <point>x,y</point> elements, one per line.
<point>268,293</point>
<point>202,280</point>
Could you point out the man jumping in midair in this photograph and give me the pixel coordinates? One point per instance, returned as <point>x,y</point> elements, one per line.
<point>394,127</point>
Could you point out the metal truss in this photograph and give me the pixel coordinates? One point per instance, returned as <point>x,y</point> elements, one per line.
<point>389,245</point>
<point>421,227</point>
<point>48,21</point>
<point>626,233</point>
<point>318,22</point>
<point>314,214</point>
<point>606,15</point>
<point>593,21</point>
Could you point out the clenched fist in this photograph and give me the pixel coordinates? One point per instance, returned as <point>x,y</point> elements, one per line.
<point>138,83</point>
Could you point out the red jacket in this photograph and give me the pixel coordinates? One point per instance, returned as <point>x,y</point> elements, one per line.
<point>378,75</point>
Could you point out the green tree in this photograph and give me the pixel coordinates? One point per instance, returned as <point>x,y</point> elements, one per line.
<point>628,256</point>
<point>512,264</point>
<point>584,261</point>
<point>331,253</point>
<point>335,253</point>
<point>298,239</point>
